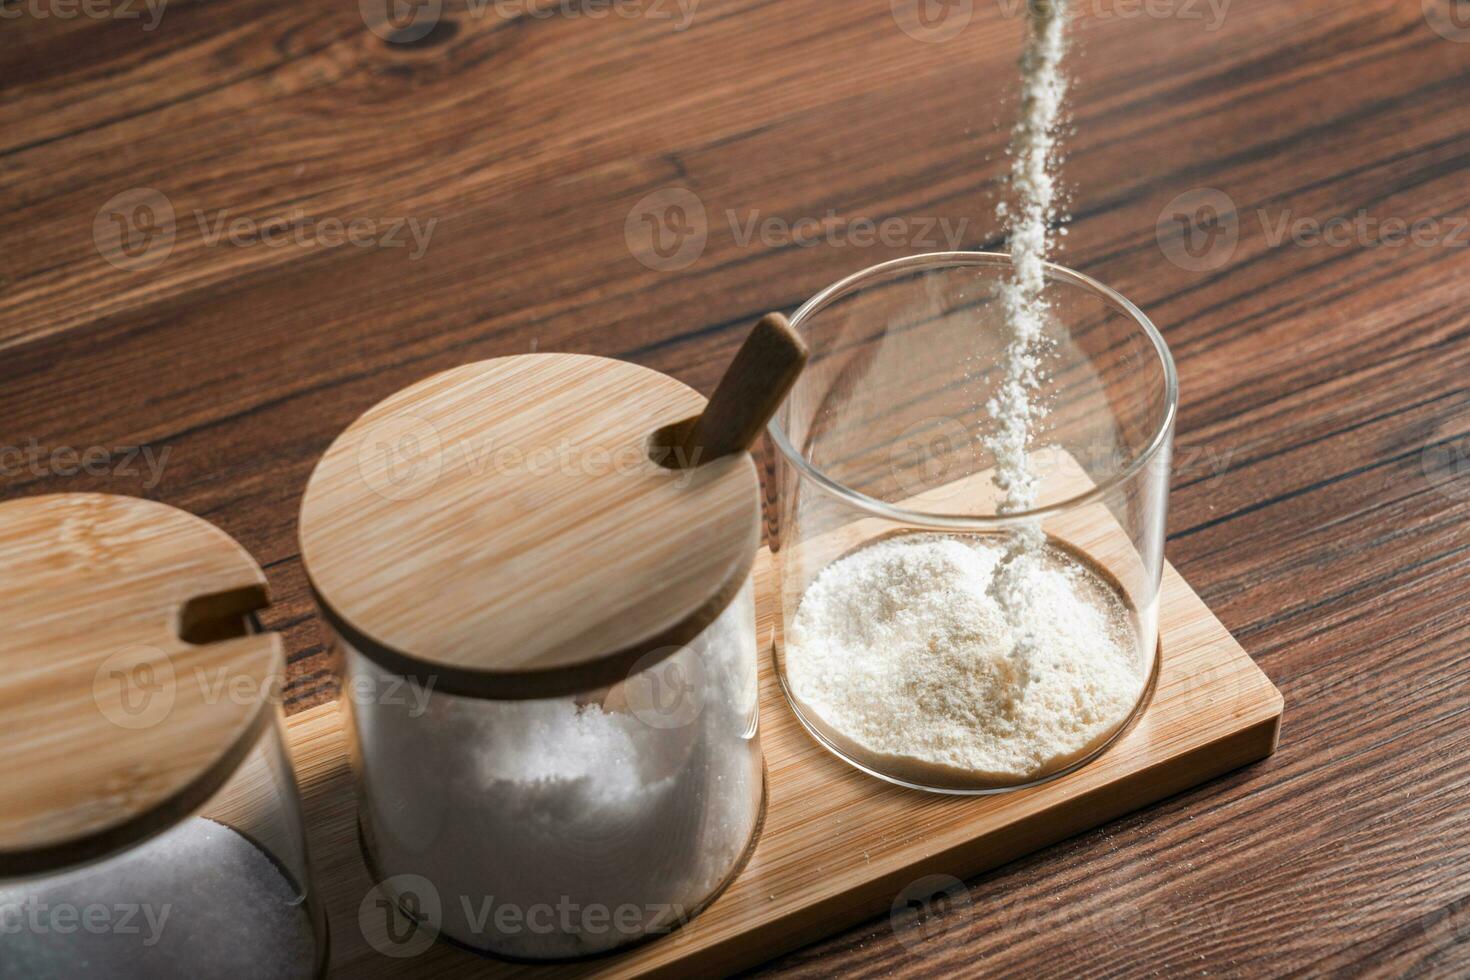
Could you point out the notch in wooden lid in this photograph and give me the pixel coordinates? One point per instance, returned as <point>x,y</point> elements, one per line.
<point>537,526</point>
<point>129,688</point>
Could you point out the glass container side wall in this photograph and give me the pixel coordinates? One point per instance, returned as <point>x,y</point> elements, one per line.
<point>564,827</point>
<point>888,432</point>
<point>225,890</point>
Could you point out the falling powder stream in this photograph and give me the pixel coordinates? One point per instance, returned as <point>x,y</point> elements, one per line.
<point>954,662</point>
<point>1029,218</point>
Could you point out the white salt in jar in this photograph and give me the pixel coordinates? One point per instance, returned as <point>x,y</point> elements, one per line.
<point>549,656</point>
<point>150,824</point>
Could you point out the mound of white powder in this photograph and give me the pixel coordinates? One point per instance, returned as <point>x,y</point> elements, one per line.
<point>900,655</point>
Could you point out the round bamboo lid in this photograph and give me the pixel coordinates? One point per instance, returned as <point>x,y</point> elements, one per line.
<point>503,530</point>
<point>129,689</point>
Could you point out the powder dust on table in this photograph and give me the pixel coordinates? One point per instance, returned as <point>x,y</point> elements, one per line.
<point>901,656</point>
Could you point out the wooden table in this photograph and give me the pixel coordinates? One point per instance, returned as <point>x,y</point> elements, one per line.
<point>1321,497</point>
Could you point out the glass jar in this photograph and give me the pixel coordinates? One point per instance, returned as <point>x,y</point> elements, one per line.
<point>887,436</point>
<point>548,653</point>
<point>150,822</point>
<point>563,827</point>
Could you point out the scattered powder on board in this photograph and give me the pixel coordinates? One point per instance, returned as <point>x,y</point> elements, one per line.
<point>899,651</point>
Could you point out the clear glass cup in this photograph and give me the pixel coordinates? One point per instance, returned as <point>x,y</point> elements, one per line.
<point>887,433</point>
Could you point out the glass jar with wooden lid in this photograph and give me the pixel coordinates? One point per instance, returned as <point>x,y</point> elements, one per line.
<point>150,824</point>
<point>538,573</point>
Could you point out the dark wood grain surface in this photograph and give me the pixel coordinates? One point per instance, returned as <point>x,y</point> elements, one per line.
<point>1321,498</point>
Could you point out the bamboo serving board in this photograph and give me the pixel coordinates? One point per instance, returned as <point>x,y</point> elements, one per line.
<point>837,845</point>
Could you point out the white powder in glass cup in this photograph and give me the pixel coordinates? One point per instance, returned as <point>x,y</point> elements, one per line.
<point>901,656</point>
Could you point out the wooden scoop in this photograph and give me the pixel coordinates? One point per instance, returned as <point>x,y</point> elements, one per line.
<point>754,385</point>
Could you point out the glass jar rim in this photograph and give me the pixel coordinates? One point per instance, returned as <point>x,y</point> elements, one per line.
<point>969,522</point>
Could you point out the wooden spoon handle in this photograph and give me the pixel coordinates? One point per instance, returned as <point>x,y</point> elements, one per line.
<point>754,385</point>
